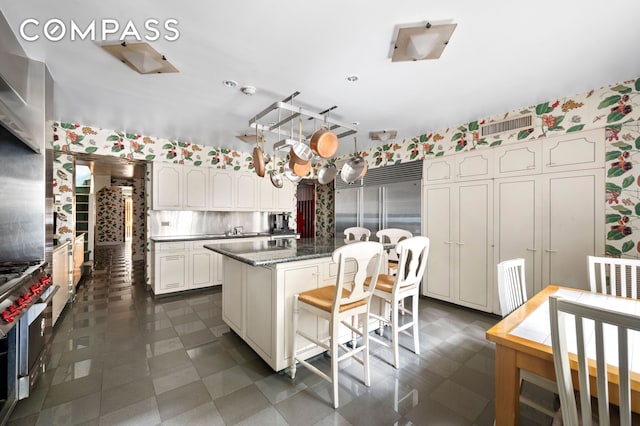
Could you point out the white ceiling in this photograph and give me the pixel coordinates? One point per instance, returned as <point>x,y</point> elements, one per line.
<point>502,56</point>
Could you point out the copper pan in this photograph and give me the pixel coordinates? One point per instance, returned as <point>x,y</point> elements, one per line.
<point>258,161</point>
<point>324,142</point>
<point>299,168</point>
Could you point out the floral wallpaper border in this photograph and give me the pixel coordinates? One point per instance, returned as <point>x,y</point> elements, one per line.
<point>614,108</point>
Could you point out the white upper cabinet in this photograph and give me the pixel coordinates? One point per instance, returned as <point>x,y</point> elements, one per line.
<point>474,165</point>
<point>196,188</point>
<point>518,159</point>
<point>246,191</point>
<point>438,170</point>
<point>221,184</point>
<point>266,194</point>
<point>285,196</point>
<point>470,165</point>
<point>178,187</point>
<point>167,186</point>
<point>573,151</point>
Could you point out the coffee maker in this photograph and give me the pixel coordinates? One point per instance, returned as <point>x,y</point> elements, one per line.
<point>279,223</point>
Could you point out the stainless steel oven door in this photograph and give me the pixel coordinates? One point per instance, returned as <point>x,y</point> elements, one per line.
<point>32,342</point>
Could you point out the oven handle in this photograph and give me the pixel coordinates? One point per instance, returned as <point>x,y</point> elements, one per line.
<point>36,309</point>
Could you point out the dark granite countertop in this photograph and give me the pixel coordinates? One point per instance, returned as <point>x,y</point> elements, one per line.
<point>263,253</point>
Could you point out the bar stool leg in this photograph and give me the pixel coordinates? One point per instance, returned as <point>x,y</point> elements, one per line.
<point>394,333</point>
<point>365,343</point>
<point>334,361</point>
<point>294,333</point>
<point>416,324</point>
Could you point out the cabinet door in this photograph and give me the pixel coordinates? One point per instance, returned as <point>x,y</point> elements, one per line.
<point>437,170</point>
<point>222,189</point>
<point>196,188</point>
<point>246,187</point>
<point>60,267</point>
<point>298,280</point>
<point>260,299</point>
<point>218,271</point>
<point>172,272</point>
<point>285,197</point>
<point>474,165</point>
<point>266,194</point>
<point>202,263</point>
<point>518,226</point>
<point>518,159</point>
<point>573,151</point>
<point>167,187</point>
<point>573,226</point>
<point>232,295</point>
<point>474,251</point>
<point>438,277</point>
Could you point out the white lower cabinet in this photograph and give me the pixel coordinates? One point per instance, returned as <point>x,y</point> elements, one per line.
<point>171,273</point>
<point>233,308</point>
<point>60,274</point>
<point>297,280</point>
<point>185,265</point>
<point>459,223</point>
<point>202,268</point>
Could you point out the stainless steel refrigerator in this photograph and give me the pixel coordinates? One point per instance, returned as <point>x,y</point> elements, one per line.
<point>387,197</point>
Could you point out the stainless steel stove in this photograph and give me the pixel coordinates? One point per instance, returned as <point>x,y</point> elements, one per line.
<point>25,328</point>
<point>21,285</point>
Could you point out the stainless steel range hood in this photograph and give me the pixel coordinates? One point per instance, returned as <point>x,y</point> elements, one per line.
<point>22,91</point>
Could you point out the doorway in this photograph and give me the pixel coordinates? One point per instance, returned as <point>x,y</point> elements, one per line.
<point>305,218</point>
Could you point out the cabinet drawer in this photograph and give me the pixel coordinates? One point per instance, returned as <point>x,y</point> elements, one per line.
<point>178,245</point>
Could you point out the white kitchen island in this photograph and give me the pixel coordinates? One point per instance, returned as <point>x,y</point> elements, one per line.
<point>260,279</point>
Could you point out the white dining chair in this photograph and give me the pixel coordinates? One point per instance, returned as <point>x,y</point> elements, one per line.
<point>512,292</point>
<point>393,289</point>
<point>338,304</point>
<point>614,276</point>
<point>585,327</point>
<point>392,236</point>
<point>356,233</point>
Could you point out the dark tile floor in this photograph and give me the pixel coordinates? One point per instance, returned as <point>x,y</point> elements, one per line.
<point>120,356</point>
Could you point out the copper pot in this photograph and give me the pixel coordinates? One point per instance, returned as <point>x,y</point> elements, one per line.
<point>324,142</point>
<point>300,153</point>
<point>258,161</point>
<point>299,168</point>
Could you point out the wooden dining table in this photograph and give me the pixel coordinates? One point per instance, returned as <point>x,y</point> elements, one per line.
<point>523,341</point>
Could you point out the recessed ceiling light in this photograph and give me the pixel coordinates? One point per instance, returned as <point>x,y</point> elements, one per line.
<point>229,83</point>
<point>353,78</point>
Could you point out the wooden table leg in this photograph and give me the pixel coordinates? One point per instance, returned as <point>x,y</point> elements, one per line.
<point>507,387</point>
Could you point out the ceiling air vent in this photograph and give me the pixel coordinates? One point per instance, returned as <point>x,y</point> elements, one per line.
<point>523,122</point>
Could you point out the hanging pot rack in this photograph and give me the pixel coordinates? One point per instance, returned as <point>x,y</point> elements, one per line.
<point>285,106</point>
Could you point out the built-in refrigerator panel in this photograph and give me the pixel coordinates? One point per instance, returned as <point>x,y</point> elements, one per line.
<point>388,197</point>
<point>346,209</point>
<point>402,206</point>
<point>371,212</point>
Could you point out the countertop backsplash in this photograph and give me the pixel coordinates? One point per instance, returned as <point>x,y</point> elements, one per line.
<point>167,223</point>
